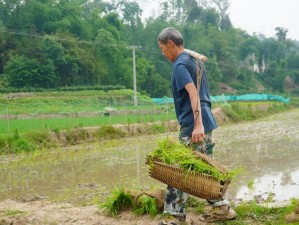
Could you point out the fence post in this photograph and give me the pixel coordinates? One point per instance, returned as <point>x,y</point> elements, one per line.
<point>7,118</point>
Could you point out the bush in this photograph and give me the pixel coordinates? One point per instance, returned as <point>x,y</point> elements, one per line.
<point>230,112</point>
<point>15,144</point>
<point>109,132</point>
<point>76,135</point>
<point>156,128</point>
<point>6,144</point>
<point>22,145</point>
<point>41,139</point>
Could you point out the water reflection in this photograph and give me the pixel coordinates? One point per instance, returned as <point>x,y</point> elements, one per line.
<point>267,150</point>
<point>281,187</point>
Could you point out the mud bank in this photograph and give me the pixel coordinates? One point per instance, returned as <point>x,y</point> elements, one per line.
<point>48,213</point>
<point>80,135</point>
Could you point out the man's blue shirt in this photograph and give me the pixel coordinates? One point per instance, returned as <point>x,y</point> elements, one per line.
<point>184,72</point>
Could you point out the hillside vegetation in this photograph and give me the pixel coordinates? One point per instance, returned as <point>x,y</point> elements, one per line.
<point>52,44</point>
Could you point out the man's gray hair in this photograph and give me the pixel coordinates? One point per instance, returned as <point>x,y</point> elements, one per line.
<point>172,34</point>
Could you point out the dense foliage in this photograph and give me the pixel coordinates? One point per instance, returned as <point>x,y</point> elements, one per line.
<point>52,44</point>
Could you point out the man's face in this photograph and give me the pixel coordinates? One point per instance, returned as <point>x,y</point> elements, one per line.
<point>167,50</point>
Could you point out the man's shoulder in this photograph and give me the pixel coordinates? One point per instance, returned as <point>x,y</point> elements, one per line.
<point>183,58</point>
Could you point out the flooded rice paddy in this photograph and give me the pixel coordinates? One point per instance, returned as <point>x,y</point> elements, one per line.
<point>267,150</point>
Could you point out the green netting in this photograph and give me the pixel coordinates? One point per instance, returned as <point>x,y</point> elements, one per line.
<point>224,98</point>
<point>249,97</point>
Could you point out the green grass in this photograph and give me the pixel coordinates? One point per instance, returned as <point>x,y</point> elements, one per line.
<point>11,213</point>
<point>52,124</point>
<point>295,101</point>
<point>250,213</point>
<point>70,102</point>
<point>65,108</point>
<point>22,112</point>
<point>250,184</point>
<point>246,111</point>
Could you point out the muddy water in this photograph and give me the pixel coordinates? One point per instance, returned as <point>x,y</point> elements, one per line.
<point>267,150</point>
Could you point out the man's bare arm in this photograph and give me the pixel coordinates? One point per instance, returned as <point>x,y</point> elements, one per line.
<point>198,130</point>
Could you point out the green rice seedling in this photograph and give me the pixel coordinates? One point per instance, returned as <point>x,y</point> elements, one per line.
<point>146,204</point>
<point>117,201</point>
<point>250,184</point>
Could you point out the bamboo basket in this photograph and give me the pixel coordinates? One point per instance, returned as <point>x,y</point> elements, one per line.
<point>197,184</point>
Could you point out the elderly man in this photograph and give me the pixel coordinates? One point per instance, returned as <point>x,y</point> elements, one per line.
<point>193,111</point>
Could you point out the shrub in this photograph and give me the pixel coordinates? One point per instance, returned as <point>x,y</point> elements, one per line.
<point>74,136</point>
<point>230,112</point>
<point>42,139</point>
<point>6,144</point>
<point>22,145</point>
<point>109,132</point>
<point>156,128</point>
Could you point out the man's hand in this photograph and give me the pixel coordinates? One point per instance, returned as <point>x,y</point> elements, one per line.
<point>198,134</point>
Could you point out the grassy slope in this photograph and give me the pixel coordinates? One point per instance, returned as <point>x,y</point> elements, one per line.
<point>63,110</point>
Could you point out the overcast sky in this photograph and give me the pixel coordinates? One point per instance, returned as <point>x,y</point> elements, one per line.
<point>259,16</point>
<point>262,16</point>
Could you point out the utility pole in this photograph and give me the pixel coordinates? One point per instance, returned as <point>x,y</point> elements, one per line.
<point>134,73</point>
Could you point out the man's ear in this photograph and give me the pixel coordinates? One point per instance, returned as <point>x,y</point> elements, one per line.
<point>171,43</point>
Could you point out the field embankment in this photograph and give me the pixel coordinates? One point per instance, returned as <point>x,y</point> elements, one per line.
<point>31,121</point>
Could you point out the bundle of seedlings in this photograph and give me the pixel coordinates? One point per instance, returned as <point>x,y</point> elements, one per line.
<point>119,200</point>
<point>139,201</point>
<point>146,204</point>
<point>157,194</point>
<point>191,171</point>
<point>174,153</point>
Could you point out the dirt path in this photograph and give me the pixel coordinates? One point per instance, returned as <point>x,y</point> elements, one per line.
<point>47,213</point>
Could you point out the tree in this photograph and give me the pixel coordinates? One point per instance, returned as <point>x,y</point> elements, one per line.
<point>83,42</point>
<point>273,50</point>
<point>109,53</point>
<point>150,81</point>
<point>22,72</point>
<point>210,18</point>
<point>222,6</point>
<point>281,34</point>
<point>214,74</point>
<point>251,45</point>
